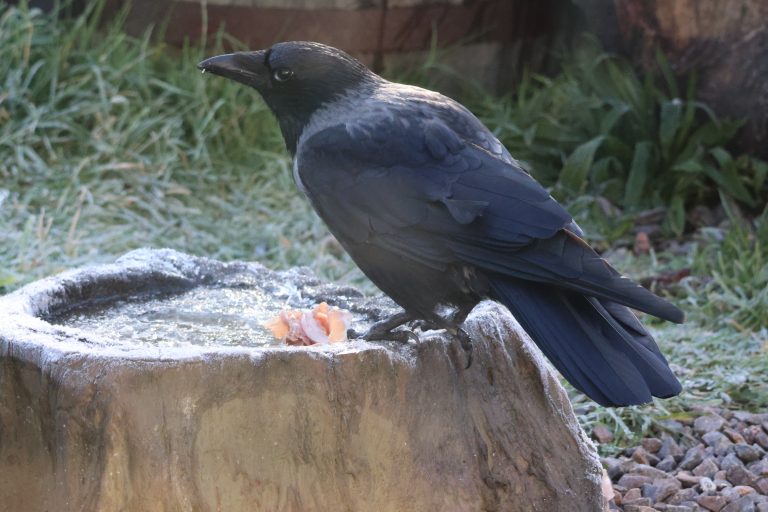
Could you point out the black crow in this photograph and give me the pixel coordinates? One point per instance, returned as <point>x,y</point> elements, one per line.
<point>437,213</point>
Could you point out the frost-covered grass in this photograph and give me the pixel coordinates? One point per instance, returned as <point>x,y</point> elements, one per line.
<point>109,143</point>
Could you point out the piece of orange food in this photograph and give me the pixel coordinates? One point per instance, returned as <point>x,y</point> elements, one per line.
<point>320,325</point>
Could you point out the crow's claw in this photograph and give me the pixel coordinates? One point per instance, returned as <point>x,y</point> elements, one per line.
<point>426,325</point>
<point>402,335</point>
<point>466,343</point>
<point>385,330</point>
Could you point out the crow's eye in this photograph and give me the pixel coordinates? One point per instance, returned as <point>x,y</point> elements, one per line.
<point>282,74</point>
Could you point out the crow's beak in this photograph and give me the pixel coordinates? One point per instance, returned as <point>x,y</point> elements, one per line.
<point>248,68</point>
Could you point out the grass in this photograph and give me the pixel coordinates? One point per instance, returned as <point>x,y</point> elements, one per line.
<point>731,266</point>
<point>110,143</point>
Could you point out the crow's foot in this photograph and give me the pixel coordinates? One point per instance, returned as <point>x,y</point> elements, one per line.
<point>465,341</point>
<point>453,328</point>
<point>384,330</point>
<point>427,325</point>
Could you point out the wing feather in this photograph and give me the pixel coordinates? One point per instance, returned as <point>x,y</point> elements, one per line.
<point>430,195</point>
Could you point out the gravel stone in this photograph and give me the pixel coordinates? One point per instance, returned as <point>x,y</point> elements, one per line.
<point>739,475</point>
<point>693,457</point>
<point>670,448</point>
<point>667,464</point>
<point>707,485</point>
<point>734,436</point>
<point>748,453</point>
<point>761,438</point>
<point>730,494</point>
<point>618,470</point>
<point>687,479</point>
<point>730,461</point>
<point>678,508</point>
<point>707,468</point>
<point>718,441</point>
<point>760,467</point>
<point>641,456</point>
<point>708,423</point>
<point>651,444</point>
<point>662,489</point>
<point>640,502</point>
<point>652,459</point>
<point>711,438</point>
<point>638,508</point>
<point>602,434</point>
<point>672,426</point>
<point>743,504</point>
<point>634,481</point>
<point>711,503</point>
<point>743,490</point>
<point>721,483</point>
<point>750,433</point>
<point>761,485</point>
<point>750,417</point>
<point>682,495</point>
<point>642,469</point>
<point>712,463</point>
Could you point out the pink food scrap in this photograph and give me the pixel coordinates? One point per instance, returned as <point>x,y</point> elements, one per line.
<point>320,325</point>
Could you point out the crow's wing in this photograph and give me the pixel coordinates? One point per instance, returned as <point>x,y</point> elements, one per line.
<point>420,190</point>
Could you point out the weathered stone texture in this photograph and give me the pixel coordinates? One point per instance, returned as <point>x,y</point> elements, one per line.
<point>352,427</point>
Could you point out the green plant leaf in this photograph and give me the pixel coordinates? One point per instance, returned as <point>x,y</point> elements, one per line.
<point>610,119</point>
<point>760,172</point>
<point>671,112</point>
<point>730,179</point>
<point>666,71</point>
<point>675,220</point>
<point>639,173</point>
<point>691,166</point>
<point>573,177</point>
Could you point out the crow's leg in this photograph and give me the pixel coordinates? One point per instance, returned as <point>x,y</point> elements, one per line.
<point>453,327</point>
<point>462,313</point>
<point>437,322</point>
<point>384,329</point>
<point>464,340</point>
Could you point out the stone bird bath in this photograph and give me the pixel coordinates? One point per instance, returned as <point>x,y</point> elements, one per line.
<point>149,385</point>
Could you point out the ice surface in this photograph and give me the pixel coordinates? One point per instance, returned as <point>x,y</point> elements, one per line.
<point>205,316</point>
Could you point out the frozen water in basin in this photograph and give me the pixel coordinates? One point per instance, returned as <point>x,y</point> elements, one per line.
<point>206,316</point>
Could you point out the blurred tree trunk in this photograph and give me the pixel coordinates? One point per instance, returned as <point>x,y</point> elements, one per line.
<point>490,41</point>
<point>724,41</point>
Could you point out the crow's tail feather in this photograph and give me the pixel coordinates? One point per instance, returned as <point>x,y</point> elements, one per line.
<point>598,345</point>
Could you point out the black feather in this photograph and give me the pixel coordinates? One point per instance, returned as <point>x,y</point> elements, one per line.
<point>599,346</point>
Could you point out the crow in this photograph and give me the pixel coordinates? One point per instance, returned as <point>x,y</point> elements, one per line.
<point>439,215</point>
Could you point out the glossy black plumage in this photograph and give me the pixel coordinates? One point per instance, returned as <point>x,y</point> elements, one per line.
<point>436,212</point>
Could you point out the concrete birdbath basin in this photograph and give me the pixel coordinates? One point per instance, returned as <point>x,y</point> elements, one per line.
<point>150,384</point>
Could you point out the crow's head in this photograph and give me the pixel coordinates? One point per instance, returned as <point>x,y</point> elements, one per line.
<point>295,79</point>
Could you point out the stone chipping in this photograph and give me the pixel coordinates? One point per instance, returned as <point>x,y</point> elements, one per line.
<point>714,462</point>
